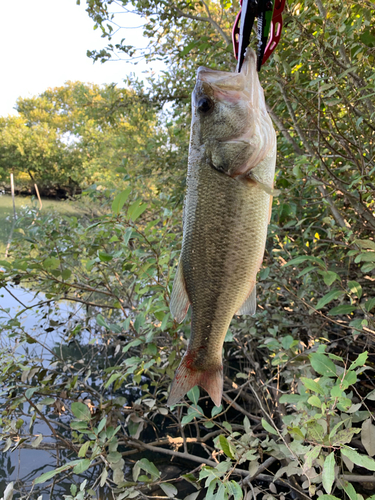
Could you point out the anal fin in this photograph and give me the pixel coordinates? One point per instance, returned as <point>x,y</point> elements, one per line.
<point>250,305</point>
<point>186,378</point>
<point>179,303</point>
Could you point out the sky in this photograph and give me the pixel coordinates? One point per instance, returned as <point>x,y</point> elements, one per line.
<point>43,44</point>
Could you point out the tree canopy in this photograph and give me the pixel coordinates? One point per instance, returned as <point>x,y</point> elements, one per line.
<point>76,134</point>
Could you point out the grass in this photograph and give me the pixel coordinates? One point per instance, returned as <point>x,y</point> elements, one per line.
<point>6,213</point>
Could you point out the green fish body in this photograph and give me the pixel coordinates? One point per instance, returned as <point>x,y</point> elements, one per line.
<point>226,213</point>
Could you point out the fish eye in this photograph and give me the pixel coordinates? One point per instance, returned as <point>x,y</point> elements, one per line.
<point>205,104</point>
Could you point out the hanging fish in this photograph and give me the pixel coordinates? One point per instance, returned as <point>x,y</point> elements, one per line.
<point>227,209</point>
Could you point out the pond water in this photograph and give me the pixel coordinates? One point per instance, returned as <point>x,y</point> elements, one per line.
<point>51,324</point>
<point>23,465</point>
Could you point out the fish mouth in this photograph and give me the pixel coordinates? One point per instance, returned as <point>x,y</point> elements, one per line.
<point>232,87</point>
<point>231,81</point>
<point>221,79</point>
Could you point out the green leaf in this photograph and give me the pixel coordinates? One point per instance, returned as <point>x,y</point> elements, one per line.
<point>350,378</point>
<point>365,257</point>
<point>120,200</point>
<point>297,260</point>
<point>304,258</point>
<point>148,467</point>
<point>350,491</point>
<point>103,477</point>
<point>355,288</point>
<point>79,426</point>
<point>82,466</point>
<point>216,410</point>
<point>311,455</point>
<point>297,433</point>
<point>114,457</point>
<point>293,398</point>
<point>328,474</point>
<point>370,304</point>
<point>329,297</point>
<point>83,450</point>
<point>366,268</point>
<point>101,321</point>
<point>5,264</point>
<point>193,394</point>
<point>164,322</point>
<point>52,473</point>
<point>221,492</point>
<point>139,322</point>
<point>234,489</point>
<point>268,427</point>
<point>226,446</point>
<point>188,48</point>
<point>193,496</point>
<point>328,497</point>
<point>37,441</point>
<point>336,391</point>
<point>312,385</point>
<point>49,475</point>
<point>315,401</point>
<point>334,430</point>
<point>51,263</point>
<point>112,379</point>
<point>66,274</point>
<point>193,412</point>
<point>360,361</point>
<point>361,460</point>
<point>329,277</point>
<point>127,235</point>
<point>136,209</point>
<point>322,364</point>
<point>344,436</point>
<point>287,342</point>
<point>315,432</point>
<point>81,411</point>
<point>342,309</point>
<point>30,392</point>
<point>368,436</point>
<point>369,244</point>
<point>104,256</point>
<point>170,490</point>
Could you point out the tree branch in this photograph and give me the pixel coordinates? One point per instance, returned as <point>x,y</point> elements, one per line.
<point>205,20</point>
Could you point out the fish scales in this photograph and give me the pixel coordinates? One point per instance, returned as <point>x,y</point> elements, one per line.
<point>220,234</point>
<point>226,214</point>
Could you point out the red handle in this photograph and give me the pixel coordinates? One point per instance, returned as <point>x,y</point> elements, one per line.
<point>236,33</point>
<point>275,31</point>
<point>276,27</point>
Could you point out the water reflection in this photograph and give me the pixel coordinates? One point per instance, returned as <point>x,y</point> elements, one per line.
<point>49,324</point>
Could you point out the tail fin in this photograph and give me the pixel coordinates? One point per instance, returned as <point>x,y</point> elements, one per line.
<point>186,378</point>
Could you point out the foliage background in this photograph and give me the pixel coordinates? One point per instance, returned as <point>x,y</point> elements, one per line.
<point>297,419</point>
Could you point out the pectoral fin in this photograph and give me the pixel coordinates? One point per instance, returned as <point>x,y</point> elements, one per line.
<point>179,304</point>
<point>250,304</point>
<point>269,190</point>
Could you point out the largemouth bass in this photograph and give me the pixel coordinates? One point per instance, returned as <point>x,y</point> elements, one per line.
<point>231,168</point>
